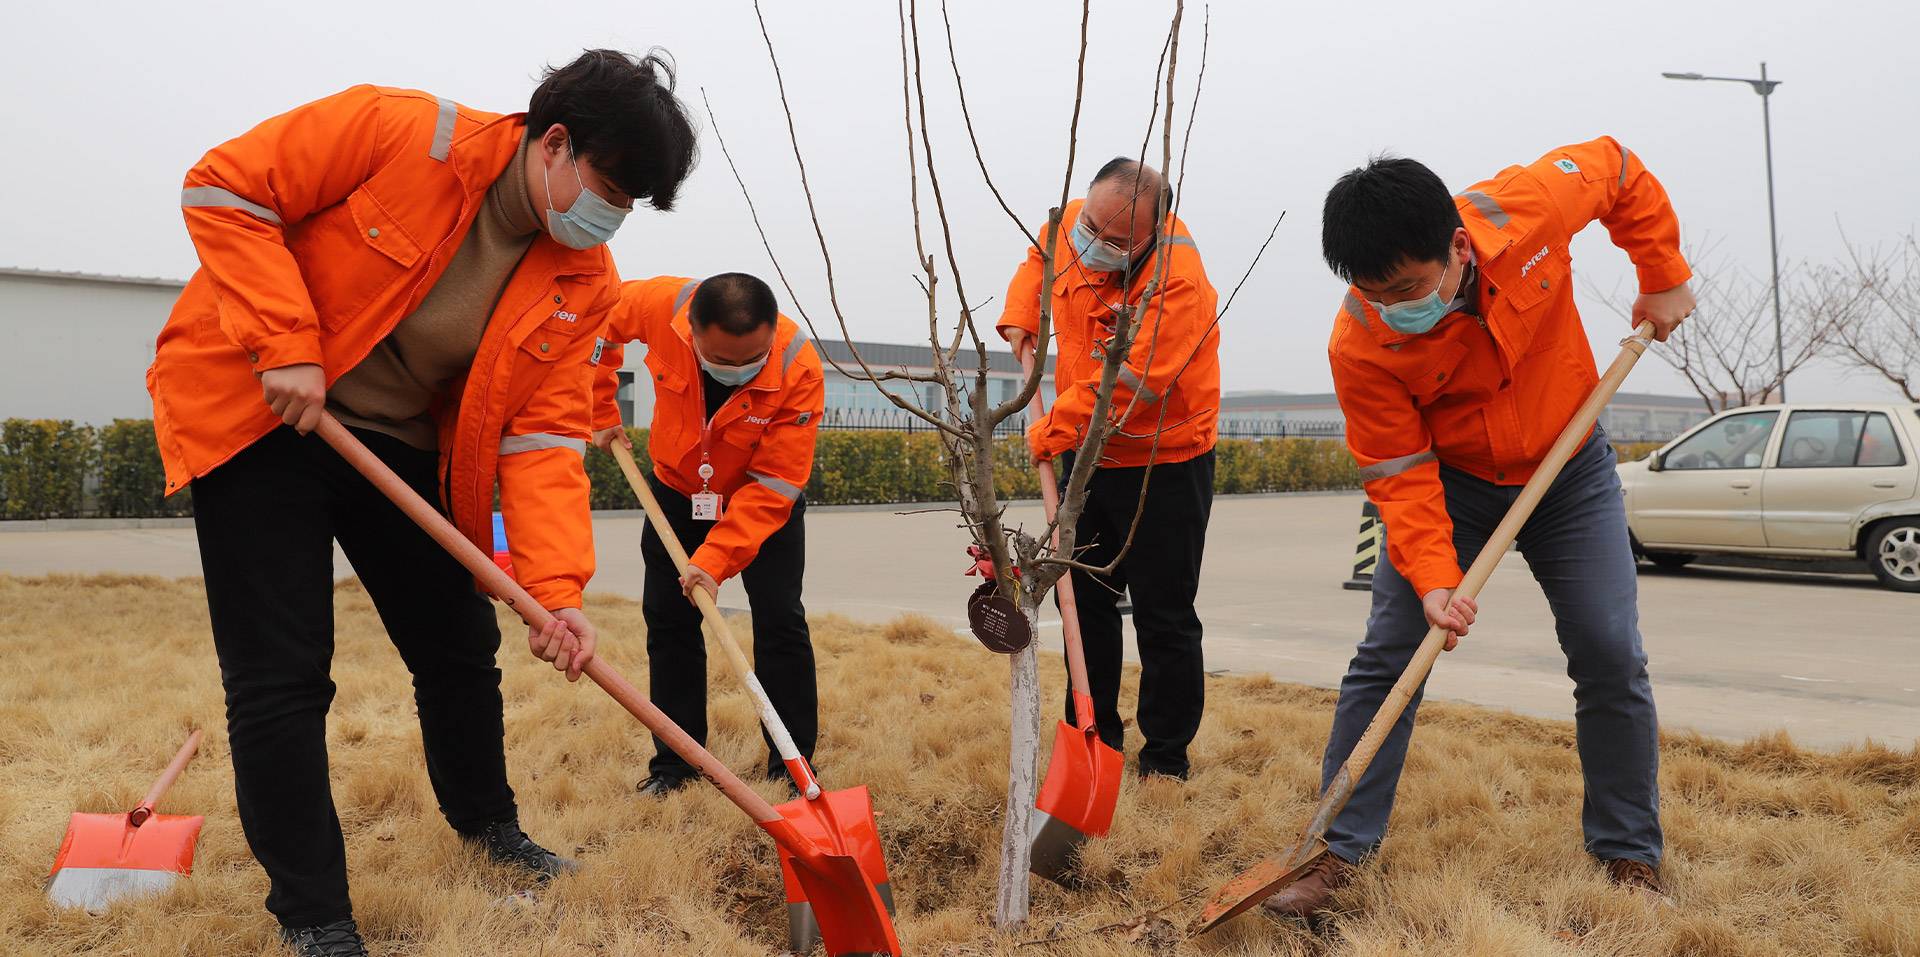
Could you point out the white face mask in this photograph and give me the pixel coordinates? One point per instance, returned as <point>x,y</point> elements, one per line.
<point>732,375</point>
<point>589,222</point>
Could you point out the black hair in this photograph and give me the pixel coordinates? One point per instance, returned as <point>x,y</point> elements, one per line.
<point>623,119</point>
<point>1386,213</point>
<point>1136,174</point>
<point>735,302</point>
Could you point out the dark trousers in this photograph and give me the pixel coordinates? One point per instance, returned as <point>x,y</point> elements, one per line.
<point>677,654</point>
<point>1576,545</point>
<point>267,521</point>
<point>1162,574</point>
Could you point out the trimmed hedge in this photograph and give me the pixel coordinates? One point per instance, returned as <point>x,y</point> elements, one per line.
<point>56,469</point>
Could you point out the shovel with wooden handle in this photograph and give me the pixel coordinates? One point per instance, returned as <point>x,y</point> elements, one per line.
<point>1082,786</point>
<point>853,918</point>
<point>1262,880</point>
<point>842,819</point>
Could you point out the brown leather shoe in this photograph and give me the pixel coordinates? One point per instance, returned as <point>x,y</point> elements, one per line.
<point>1302,898</point>
<point>1639,877</point>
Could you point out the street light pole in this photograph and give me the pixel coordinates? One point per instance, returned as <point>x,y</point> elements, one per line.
<point>1764,87</point>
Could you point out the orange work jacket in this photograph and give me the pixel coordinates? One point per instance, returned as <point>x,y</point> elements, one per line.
<point>760,443</point>
<point>1488,393</point>
<point>322,228</point>
<point>1177,329</point>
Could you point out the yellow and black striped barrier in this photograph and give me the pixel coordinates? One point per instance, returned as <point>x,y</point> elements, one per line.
<point>1366,552</point>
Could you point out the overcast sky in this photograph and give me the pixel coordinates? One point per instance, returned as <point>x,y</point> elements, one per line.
<point>108,104</point>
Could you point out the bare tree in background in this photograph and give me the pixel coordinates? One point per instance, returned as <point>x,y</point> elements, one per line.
<point>1025,564</point>
<point>1883,288</point>
<point>1726,350</point>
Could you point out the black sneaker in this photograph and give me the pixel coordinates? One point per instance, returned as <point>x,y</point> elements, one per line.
<point>505,843</point>
<point>338,939</point>
<point>661,785</point>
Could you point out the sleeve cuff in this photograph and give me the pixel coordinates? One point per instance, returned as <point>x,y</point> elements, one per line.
<point>555,593</point>
<point>1435,575</point>
<point>713,563</point>
<point>1660,277</point>
<point>285,349</point>
<point>1030,328</point>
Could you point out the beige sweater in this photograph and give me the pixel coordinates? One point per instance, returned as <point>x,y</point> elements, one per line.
<point>392,389</point>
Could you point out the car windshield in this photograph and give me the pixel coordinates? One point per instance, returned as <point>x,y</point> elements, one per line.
<point>1734,442</point>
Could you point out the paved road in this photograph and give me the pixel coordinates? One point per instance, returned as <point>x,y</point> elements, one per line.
<point>1832,659</point>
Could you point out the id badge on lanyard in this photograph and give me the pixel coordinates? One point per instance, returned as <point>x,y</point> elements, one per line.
<point>706,502</point>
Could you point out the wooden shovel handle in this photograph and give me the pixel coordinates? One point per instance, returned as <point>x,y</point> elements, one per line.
<point>1477,574</point>
<point>506,589</point>
<point>1069,613</point>
<point>736,658</point>
<point>144,810</point>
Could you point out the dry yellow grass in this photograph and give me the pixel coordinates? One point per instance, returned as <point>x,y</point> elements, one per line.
<point>1772,849</point>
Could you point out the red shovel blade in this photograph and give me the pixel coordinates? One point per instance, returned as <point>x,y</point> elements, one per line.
<point>1077,799</point>
<point>1257,883</point>
<point>836,875</point>
<point>105,858</point>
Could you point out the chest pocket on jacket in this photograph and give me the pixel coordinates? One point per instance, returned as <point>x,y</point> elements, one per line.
<point>1531,297</point>
<point>1428,377</point>
<point>348,273</point>
<point>748,425</point>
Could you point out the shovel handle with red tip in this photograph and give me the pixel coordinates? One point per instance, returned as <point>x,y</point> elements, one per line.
<point>796,763</point>
<point>1069,614</point>
<point>506,589</point>
<point>144,809</point>
<point>1255,884</point>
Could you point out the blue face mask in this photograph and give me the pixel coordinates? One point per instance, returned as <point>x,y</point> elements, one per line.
<point>1097,254</point>
<point>589,222</point>
<point>1416,316</point>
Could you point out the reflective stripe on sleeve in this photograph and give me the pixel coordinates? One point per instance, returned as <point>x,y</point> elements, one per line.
<point>1392,467</point>
<point>1488,207</point>
<point>786,489</point>
<point>1624,154</point>
<point>793,349</point>
<point>513,444</point>
<point>1132,381</point>
<point>443,130</point>
<point>686,292</point>
<point>215,196</point>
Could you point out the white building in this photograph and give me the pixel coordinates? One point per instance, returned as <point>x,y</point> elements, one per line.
<point>77,345</point>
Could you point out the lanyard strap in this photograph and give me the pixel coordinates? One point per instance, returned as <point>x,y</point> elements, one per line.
<point>706,428</point>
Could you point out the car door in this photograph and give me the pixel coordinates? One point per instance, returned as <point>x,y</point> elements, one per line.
<point>1707,490</point>
<point>1831,465</point>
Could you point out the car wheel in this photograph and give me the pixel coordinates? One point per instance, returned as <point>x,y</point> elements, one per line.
<point>1671,561</point>
<point>1894,554</point>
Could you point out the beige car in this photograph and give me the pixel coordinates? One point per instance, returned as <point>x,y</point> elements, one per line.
<point>1830,481</point>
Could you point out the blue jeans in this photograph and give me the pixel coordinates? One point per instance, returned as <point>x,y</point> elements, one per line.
<point>1576,544</point>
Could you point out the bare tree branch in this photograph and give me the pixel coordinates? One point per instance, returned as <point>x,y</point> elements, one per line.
<point>1726,350</point>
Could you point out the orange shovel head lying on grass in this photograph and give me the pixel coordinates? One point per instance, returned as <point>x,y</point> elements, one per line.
<point>112,857</point>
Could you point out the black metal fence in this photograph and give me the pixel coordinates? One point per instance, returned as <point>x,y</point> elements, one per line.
<point>894,420</point>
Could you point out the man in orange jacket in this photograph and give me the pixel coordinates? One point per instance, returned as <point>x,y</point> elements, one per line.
<point>1165,404</point>
<point>1458,357</point>
<point>737,399</point>
<point>434,276</point>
